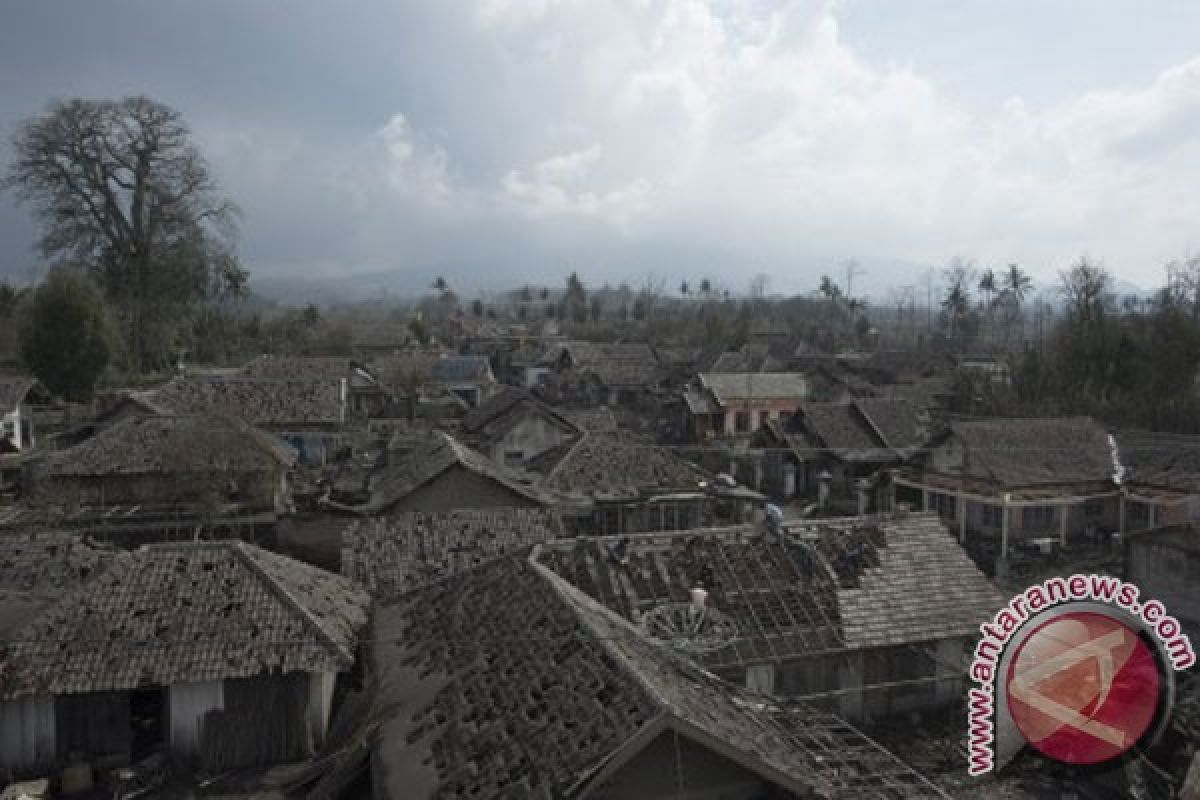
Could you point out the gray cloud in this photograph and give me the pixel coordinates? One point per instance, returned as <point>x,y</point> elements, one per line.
<point>509,141</point>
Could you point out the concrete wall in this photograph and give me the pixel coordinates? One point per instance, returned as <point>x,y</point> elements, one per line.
<point>673,766</point>
<point>532,436</point>
<point>460,488</point>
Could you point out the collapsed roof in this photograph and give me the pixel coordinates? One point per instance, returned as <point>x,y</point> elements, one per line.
<point>506,681</point>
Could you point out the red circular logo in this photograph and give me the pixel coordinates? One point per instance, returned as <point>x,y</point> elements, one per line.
<point>1083,688</point>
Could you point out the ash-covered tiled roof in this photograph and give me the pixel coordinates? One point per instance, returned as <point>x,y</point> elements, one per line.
<point>620,462</point>
<point>904,426</point>
<point>266,403</point>
<point>47,561</point>
<point>455,369</point>
<point>169,445</point>
<point>400,553</point>
<point>731,387</point>
<point>438,452</point>
<point>924,587</point>
<point>1160,460</point>
<point>496,414</point>
<point>276,368</point>
<point>38,568</point>
<point>840,428</point>
<point>593,420</point>
<point>1029,452</point>
<point>808,593</point>
<point>614,373</point>
<point>178,613</point>
<point>507,682</point>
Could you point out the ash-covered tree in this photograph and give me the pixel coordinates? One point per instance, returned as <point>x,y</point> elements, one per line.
<point>64,337</point>
<point>118,186</point>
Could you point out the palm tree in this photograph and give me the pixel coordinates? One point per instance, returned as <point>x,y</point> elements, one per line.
<point>705,287</point>
<point>684,289</point>
<point>987,285</point>
<point>1016,285</point>
<point>1017,282</point>
<point>440,284</point>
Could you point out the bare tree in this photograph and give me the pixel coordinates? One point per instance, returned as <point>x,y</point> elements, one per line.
<point>117,185</point>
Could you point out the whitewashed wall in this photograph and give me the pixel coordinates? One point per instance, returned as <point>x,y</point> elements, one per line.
<point>189,702</point>
<point>27,738</point>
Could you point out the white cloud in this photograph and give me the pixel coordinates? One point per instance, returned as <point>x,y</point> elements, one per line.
<point>753,128</point>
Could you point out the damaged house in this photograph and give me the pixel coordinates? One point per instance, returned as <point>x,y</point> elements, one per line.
<point>514,427</point>
<point>838,611</point>
<point>1011,486</point>
<point>400,553</point>
<point>506,681</point>
<point>165,470</point>
<point>836,451</point>
<point>221,653</point>
<point>442,474</point>
<point>311,415</point>
<point>365,395</point>
<point>603,373</point>
<point>616,481</point>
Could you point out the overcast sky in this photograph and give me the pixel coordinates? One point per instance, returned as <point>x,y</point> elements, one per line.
<point>512,140</point>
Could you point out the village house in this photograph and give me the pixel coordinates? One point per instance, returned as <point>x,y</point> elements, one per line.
<point>441,473</point>
<point>19,394</point>
<point>400,553</point>
<point>616,481</point>
<point>1159,477</point>
<point>1016,487</point>
<point>729,405</point>
<point>751,357</point>
<point>220,653</point>
<point>514,427</point>
<point>468,377</point>
<point>839,610</point>
<point>603,373</point>
<point>310,414</point>
<point>168,471</point>
<point>839,446</point>
<point>365,395</point>
<point>506,681</point>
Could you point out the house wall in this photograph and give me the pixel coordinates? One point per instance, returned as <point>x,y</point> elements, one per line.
<point>1169,574</point>
<point>460,488</point>
<point>774,409</point>
<point>320,704</point>
<point>532,436</point>
<point>258,489</point>
<point>264,720</point>
<point>188,703</point>
<point>27,734</point>
<point>674,766</point>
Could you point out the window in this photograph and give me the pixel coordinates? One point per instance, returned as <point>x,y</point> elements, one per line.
<point>741,421</point>
<point>760,678</point>
<point>514,458</point>
<point>763,418</point>
<point>1038,517</point>
<point>1093,508</point>
<point>992,516</point>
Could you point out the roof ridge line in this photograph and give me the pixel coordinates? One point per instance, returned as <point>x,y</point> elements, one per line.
<point>295,605</point>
